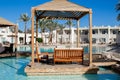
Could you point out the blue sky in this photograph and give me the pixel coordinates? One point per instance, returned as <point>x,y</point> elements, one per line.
<point>104,12</point>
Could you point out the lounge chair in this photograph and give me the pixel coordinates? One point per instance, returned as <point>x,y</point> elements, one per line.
<point>2,49</point>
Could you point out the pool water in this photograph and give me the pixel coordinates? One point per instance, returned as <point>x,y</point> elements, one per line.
<point>96,49</point>
<point>13,69</point>
<point>28,49</point>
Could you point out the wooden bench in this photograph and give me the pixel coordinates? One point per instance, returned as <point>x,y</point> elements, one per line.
<point>68,55</point>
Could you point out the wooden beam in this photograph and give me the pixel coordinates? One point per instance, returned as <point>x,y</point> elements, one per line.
<point>42,13</point>
<point>83,14</point>
<point>54,17</point>
<point>37,15</point>
<point>32,38</point>
<point>90,37</point>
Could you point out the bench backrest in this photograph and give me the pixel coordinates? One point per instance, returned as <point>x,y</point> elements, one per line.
<point>68,53</point>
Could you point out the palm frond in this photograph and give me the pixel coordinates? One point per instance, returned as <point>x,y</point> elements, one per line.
<point>118,17</point>
<point>24,17</point>
<point>118,7</point>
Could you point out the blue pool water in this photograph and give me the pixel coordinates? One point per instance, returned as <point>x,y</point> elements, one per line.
<point>96,49</point>
<point>13,69</point>
<point>28,49</point>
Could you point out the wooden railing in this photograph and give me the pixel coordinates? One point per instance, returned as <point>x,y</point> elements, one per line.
<point>68,55</point>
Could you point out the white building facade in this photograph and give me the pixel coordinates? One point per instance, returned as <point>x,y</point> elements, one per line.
<point>101,34</point>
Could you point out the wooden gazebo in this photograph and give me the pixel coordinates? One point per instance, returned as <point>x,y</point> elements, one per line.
<point>64,10</point>
<point>6,23</point>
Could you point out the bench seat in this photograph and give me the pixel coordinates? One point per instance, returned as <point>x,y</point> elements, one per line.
<point>68,55</point>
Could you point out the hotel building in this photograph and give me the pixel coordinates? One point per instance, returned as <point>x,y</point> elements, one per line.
<point>101,35</point>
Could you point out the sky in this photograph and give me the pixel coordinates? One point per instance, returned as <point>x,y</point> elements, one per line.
<point>104,12</point>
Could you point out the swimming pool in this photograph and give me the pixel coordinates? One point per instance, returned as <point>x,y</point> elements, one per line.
<point>96,49</point>
<point>27,48</point>
<point>13,69</point>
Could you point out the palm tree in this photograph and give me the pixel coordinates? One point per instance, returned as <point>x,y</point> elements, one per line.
<point>28,30</point>
<point>70,24</point>
<point>48,25</point>
<point>25,18</point>
<point>118,9</point>
<point>42,26</point>
<point>60,30</point>
<point>51,26</point>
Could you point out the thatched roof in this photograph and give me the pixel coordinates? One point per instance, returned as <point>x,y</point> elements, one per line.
<point>60,9</point>
<point>5,23</point>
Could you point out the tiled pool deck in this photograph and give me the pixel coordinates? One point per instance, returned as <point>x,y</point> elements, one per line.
<point>65,69</point>
<point>59,69</point>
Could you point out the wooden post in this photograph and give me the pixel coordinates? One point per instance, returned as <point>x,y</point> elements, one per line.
<point>32,38</point>
<point>90,37</point>
<point>78,34</point>
<point>37,49</point>
<point>16,32</point>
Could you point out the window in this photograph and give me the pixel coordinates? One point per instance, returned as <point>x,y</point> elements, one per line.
<point>114,31</point>
<point>93,31</point>
<point>104,32</point>
<point>118,32</point>
<point>2,31</point>
<point>21,39</point>
<point>3,39</point>
<point>102,40</point>
<point>86,40</point>
<point>114,39</point>
<point>86,32</point>
<point>94,40</point>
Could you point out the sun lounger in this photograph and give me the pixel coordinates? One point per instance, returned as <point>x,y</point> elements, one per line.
<point>2,49</point>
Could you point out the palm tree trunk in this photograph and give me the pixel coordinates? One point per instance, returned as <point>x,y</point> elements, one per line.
<point>25,33</point>
<point>56,36</point>
<point>50,38</point>
<point>42,37</point>
<point>61,40</point>
<point>69,35</point>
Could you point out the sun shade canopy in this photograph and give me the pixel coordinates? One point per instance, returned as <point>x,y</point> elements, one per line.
<point>5,23</point>
<point>64,10</point>
<point>60,9</point>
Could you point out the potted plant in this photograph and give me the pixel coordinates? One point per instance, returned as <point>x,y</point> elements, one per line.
<point>40,40</point>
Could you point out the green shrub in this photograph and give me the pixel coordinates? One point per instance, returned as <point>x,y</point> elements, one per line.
<point>40,40</point>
